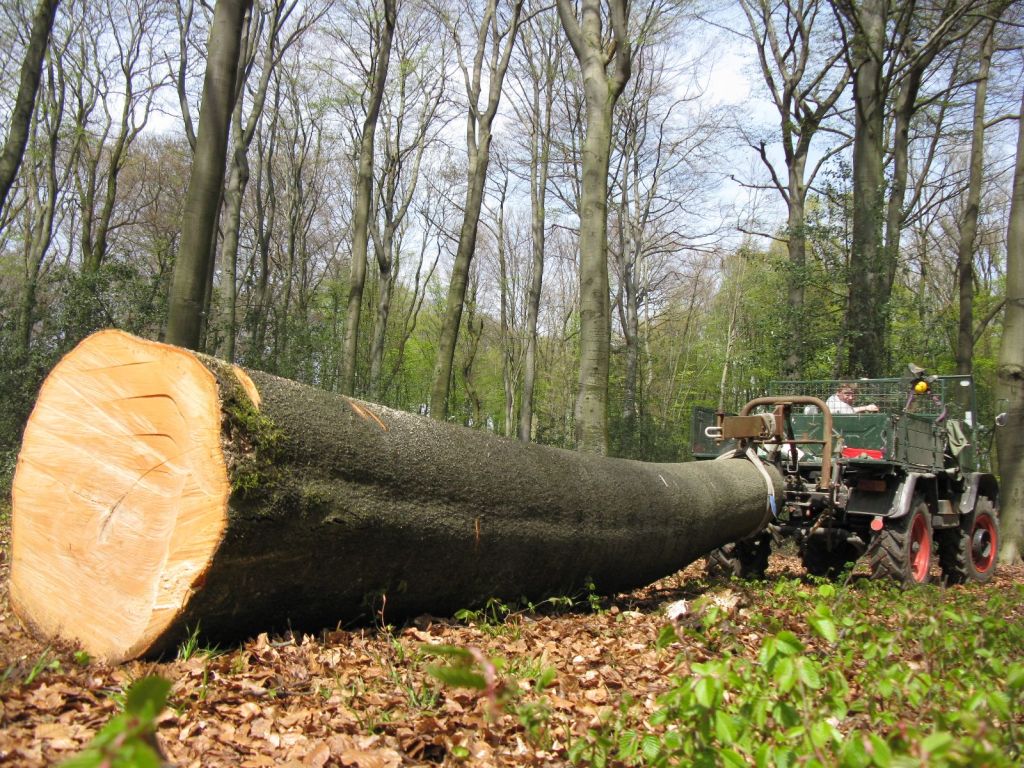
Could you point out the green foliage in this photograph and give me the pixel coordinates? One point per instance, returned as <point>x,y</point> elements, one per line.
<point>192,647</point>
<point>495,615</point>
<point>848,698</point>
<point>127,741</point>
<point>45,663</point>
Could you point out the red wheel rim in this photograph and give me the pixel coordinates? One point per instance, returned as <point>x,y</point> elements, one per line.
<point>983,543</point>
<point>920,549</point>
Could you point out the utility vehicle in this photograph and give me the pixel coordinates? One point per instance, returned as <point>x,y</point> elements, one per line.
<point>901,486</point>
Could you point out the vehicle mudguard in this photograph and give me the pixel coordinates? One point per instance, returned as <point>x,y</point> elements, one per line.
<point>913,484</point>
<point>978,483</point>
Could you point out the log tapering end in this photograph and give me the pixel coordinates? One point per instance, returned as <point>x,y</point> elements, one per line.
<point>120,494</point>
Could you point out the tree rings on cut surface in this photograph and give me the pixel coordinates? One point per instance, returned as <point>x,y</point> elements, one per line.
<point>120,494</point>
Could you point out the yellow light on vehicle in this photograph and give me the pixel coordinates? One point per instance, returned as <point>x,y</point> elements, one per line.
<point>921,387</point>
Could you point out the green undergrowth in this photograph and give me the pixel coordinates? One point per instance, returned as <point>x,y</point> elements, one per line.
<point>860,675</point>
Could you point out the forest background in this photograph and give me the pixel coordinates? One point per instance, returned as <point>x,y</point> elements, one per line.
<point>405,217</point>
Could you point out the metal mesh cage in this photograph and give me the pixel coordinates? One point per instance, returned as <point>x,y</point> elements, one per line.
<point>953,395</point>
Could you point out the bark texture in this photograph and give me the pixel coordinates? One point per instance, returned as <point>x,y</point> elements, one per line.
<point>867,309</point>
<point>25,102</point>
<point>362,204</point>
<point>193,268</point>
<point>605,65</point>
<point>969,217</point>
<point>265,504</point>
<point>1010,374</point>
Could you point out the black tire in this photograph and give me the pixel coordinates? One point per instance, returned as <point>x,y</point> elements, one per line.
<point>903,549</point>
<point>747,559</point>
<point>970,552</point>
<point>819,560</point>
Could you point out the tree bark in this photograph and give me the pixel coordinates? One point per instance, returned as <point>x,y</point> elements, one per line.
<point>192,267</point>
<point>542,67</point>
<point>1010,373</point>
<point>969,219</point>
<point>25,101</point>
<point>867,307</point>
<point>242,137</point>
<point>192,493</point>
<point>478,143</point>
<point>362,203</point>
<point>601,89</point>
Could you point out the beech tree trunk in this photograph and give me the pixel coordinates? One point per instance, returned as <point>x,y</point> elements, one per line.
<point>969,217</point>
<point>193,267</point>
<point>159,490</point>
<point>1010,373</point>
<point>362,204</point>
<point>868,305</point>
<point>605,62</point>
<point>20,118</point>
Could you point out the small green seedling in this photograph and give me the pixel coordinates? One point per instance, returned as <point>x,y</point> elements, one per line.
<point>128,740</point>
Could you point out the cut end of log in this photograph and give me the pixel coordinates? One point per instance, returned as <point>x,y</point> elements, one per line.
<point>121,485</point>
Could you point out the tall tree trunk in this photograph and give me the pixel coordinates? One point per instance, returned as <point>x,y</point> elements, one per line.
<point>189,283</point>
<point>238,179</point>
<point>459,282</point>
<point>507,302</point>
<point>478,141</point>
<point>266,218</point>
<point>969,219</point>
<point>601,90</point>
<point>398,181</point>
<point>363,201</point>
<point>630,228</point>
<point>44,190</point>
<point>25,101</point>
<point>867,308</point>
<point>903,108</point>
<point>1010,372</point>
<point>542,84</point>
<point>796,247</point>
<point>796,56</point>
<point>386,287</point>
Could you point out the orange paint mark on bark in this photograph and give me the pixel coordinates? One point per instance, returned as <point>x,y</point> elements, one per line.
<point>365,414</point>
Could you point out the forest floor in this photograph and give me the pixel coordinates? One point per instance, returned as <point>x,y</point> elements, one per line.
<point>556,679</point>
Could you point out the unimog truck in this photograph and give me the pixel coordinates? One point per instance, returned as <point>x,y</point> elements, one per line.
<point>900,486</point>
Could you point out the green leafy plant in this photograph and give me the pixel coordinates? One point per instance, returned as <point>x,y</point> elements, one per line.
<point>879,679</point>
<point>129,739</point>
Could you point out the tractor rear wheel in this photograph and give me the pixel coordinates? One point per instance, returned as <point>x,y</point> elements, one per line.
<point>747,559</point>
<point>969,553</point>
<point>903,550</point>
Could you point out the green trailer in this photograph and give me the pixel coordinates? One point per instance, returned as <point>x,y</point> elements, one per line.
<point>899,482</point>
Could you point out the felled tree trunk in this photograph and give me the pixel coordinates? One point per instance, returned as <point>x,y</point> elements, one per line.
<point>158,490</point>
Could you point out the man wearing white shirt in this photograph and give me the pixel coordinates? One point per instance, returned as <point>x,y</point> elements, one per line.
<point>842,402</point>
